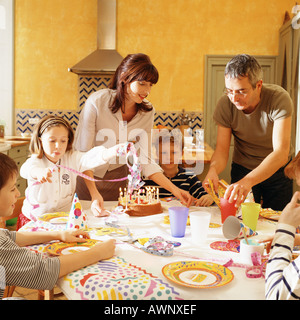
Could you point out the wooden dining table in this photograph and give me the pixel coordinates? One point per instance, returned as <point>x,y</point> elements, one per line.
<point>135,274</point>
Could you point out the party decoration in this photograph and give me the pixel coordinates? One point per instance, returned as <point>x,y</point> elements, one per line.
<point>135,176</point>
<point>222,186</point>
<point>230,245</point>
<point>157,246</point>
<point>77,218</point>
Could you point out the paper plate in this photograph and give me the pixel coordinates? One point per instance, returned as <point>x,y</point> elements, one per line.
<point>270,214</point>
<point>64,248</point>
<point>197,274</point>
<point>55,217</point>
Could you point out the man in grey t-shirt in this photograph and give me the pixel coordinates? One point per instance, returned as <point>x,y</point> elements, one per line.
<point>259,118</point>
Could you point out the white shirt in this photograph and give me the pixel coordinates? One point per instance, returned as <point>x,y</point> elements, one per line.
<point>58,195</point>
<point>99,126</point>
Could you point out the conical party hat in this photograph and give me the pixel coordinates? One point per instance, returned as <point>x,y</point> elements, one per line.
<point>77,218</point>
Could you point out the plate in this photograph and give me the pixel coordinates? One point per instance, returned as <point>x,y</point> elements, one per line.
<point>55,217</point>
<point>270,214</point>
<point>65,248</point>
<point>197,274</point>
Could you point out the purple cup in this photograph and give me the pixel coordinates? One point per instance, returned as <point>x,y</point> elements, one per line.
<point>178,219</point>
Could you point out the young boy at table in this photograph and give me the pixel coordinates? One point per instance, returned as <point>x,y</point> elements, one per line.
<point>282,274</point>
<point>21,267</point>
<point>168,148</point>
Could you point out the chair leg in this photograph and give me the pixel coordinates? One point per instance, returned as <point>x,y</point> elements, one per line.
<point>9,291</point>
<point>49,294</point>
<point>46,294</point>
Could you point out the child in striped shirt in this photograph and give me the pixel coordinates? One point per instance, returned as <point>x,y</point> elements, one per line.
<point>21,267</point>
<point>283,273</point>
<point>169,152</point>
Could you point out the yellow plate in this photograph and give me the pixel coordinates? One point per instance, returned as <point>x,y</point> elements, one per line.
<point>64,248</point>
<point>197,274</point>
<point>270,214</point>
<point>55,217</point>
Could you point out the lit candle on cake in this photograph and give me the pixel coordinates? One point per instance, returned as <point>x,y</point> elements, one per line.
<point>157,193</point>
<point>120,196</point>
<point>126,198</point>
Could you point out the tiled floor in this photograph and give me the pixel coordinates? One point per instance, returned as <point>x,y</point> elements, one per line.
<point>30,294</point>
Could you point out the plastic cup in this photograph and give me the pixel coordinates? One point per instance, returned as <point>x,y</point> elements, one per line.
<point>250,213</point>
<point>231,228</point>
<point>199,222</point>
<point>178,219</point>
<point>227,209</point>
<point>247,249</point>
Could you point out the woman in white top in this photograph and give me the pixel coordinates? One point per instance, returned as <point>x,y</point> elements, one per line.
<point>119,114</point>
<point>51,144</point>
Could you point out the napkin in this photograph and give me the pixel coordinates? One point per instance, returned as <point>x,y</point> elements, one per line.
<point>77,218</point>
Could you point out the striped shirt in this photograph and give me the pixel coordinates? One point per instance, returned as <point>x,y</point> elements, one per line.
<point>185,180</point>
<point>283,274</point>
<point>21,267</point>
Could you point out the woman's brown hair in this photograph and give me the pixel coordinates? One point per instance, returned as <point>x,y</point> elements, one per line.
<point>35,146</point>
<point>290,169</point>
<point>134,67</point>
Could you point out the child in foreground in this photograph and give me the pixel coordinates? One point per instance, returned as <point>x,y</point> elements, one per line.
<point>282,274</point>
<point>24,268</point>
<point>169,151</point>
<point>51,144</point>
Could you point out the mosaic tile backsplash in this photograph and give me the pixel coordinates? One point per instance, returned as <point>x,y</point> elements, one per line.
<point>24,125</point>
<point>86,86</point>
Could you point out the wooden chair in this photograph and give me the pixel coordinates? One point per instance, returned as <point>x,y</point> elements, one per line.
<point>9,290</point>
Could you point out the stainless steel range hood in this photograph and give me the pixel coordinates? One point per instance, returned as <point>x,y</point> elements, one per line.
<point>106,58</point>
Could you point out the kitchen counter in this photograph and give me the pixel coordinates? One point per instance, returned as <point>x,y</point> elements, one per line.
<point>15,141</point>
<point>193,154</point>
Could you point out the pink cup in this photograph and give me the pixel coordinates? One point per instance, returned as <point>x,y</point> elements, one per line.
<point>227,209</point>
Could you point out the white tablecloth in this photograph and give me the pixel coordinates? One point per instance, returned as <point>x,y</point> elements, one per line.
<point>241,287</point>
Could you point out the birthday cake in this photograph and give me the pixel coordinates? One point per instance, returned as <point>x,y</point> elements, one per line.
<point>142,203</point>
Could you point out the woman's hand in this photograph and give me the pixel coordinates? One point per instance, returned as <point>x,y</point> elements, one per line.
<point>97,206</point>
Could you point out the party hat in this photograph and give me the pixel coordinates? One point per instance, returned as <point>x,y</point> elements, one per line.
<point>77,218</point>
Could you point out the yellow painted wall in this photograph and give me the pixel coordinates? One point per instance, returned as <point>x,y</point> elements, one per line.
<point>53,35</point>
